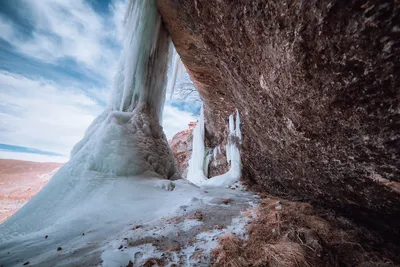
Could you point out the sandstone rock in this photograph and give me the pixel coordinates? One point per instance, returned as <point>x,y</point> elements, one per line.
<point>317,86</point>
<point>181,146</point>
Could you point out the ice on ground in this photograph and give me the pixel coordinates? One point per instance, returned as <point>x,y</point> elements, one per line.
<point>187,239</point>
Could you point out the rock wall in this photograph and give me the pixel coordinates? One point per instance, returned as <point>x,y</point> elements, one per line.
<point>181,146</point>
<point>317,86</point>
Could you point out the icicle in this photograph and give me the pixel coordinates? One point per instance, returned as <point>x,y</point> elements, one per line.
<point>175,67</point>
<point>231,125</point>
<point>238,131</point>
<point>207,163</point>
<point>232,157</point>
<point>196,163</point>
<point>216,152</point>
<point>228,153</point>
<point>142,70</point>
<point>127,138</point>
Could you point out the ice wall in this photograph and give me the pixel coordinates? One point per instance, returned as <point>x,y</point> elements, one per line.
<point>127,139</point>
<point>142,71</point>
<point>110,180</point>
<point>196,162</point>
<point>232,155</point>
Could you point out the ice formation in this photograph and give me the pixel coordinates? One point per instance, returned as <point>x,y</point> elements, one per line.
<point>216,152</point>
<point>113,171</point>
<point>198,164</point>
<point>238,131</point>
<point>174,73</point>
<point>232,155</point>
<point>128,136</point>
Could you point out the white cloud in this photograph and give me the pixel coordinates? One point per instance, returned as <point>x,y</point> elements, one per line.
<point>175,120</point>
<point>39,114</point>
<point>42,114</point>
<point>69,29</point>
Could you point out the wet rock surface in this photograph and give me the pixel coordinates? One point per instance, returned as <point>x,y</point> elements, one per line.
<point>317,87</point>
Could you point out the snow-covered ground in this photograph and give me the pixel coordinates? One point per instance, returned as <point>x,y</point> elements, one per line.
<point>98,213</point>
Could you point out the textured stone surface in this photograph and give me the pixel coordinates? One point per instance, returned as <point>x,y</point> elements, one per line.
<point>181,146</point>
<point>317,85</point>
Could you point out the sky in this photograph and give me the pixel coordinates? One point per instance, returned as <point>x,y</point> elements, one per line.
<point>57,63</point>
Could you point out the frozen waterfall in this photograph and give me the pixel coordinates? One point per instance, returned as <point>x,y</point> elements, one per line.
<point>128,135</point>
<point>113,170</point>
<point>198,161</point>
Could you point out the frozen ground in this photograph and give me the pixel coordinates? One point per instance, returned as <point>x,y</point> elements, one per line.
<point>149,217</point>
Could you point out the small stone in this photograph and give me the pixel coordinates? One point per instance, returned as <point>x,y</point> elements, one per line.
<point>120,247</point>
<point>59,248</point>
<point>46,236</point>
<point>26,263</point>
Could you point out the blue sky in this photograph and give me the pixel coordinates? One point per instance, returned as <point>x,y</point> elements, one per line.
<point>57,63</point>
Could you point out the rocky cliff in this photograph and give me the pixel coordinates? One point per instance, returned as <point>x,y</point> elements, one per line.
<point>317,86</point>
<point>181,146</point>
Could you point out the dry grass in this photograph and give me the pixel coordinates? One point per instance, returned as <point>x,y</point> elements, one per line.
<point>154,262</point>
<point>301,238</point>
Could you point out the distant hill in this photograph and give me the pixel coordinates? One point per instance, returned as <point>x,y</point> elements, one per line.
<point>21,180</point>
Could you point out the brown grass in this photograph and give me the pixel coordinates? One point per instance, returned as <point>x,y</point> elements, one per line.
<point>303,238</point>
<point>154,262</point>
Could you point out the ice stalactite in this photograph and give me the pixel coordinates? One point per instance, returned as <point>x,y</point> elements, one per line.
<point>232,155</point>
<point>231,124</point>
<point>238,131</point>
<point>196,163</point>
<point>198,160</point>
<point>216,152</point>
<point>110,178</point>
<point>176,66</point>
<point>127,138</point>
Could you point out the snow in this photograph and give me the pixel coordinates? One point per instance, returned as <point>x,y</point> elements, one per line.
<point>183,240</point>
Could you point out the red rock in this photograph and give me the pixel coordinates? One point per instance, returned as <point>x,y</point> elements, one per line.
<point>21,180</point>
